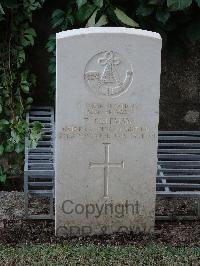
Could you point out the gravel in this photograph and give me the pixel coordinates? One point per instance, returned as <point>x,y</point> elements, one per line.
<point>14,229</point>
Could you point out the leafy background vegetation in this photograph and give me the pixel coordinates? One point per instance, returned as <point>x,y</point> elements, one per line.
<point>178,21</point>
<point>16,79</point>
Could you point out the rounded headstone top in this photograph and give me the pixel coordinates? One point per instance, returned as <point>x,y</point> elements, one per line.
<point>108,30</point>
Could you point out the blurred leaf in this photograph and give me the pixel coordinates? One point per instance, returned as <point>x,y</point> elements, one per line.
<point>37,126</point>
<point>144,10</point>
<point>124,18</point>
<point>29,100</point>
<point>30,31</point>
<point>175,5</point>
<point>1,149</point>
<point>98,3</point>
<point>101,22</point>
<point>15,137</point>
<point>4,122</point>
<point>91,22</point>
<point>52,65</point>
<point>51,44</point>
<point>198,2</point>
<point>11,3</point>
<point>154,2</point>
<point>25,88</point>
<point>57,18</point>
<point>21,126</point>
<point>9,147</point>
<point>80,3</point>
<point>28,37</point>
<point>32,5</point>
<point>2,178</point>
<point>21,57</point>
<point>35,134</point>
<point>19,147</point>
<point>1,10</point>
<point>85,12</point>
<point>162,16</point>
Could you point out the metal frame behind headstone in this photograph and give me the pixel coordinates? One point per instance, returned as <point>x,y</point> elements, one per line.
<point>39,162</point>
<point>178,172</point>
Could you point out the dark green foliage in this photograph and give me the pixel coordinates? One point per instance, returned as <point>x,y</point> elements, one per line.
<point>16,79</point>
<point>178,21</point>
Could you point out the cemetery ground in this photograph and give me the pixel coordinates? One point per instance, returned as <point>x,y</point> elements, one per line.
<point>24,242</point>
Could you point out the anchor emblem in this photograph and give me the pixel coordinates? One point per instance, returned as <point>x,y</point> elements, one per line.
<point>108,81</point>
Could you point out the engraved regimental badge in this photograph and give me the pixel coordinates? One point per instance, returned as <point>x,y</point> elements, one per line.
<point>108,74</point>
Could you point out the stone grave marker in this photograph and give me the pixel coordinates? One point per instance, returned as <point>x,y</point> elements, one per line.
<point>107,112</point>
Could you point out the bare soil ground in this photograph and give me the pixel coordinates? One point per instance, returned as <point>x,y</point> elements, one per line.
<point>14,229</point>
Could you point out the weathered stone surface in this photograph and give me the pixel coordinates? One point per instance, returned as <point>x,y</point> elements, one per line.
<point>107,111</point>
<point>180,89</point>
<point>192,117</point>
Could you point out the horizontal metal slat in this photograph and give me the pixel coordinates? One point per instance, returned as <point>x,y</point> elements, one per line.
<point>41,192</point>
<point>41,217</point>
<point>41,184</point>
<point>178,163</point>
<point>184,167</point>
<point>179,138</point>
<point>47,168</point>
<point>41,172</point>
<point>180,177</point>
<point>178,185</point>
<point>40,119</point>
<point>192,194</point>
<point>40,113</point>
<point>45,125</point>
<point>45,163</point>
<point>40,156</point>
<point>180,170</point>
<point>38,108</point>
<point>41,166</point>
<point>41,161</point>
<point>176,144</point>
<point>179,156</point>
<point>41,150</point>
<point>179,151</point>
<point>34,178</point>
<point>176,217</point>
<point>179,132</point>
<point>45,142</point>
<point>47,130</point>
<point>47,138</point>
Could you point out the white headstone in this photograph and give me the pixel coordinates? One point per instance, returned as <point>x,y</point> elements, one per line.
<point>107,111</point>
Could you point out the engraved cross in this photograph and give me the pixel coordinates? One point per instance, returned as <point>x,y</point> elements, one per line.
<point>106,165</point>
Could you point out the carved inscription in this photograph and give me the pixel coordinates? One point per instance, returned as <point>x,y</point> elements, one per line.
<point>107,121</point>
<point>106,165</point>
<point>109,108</point>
